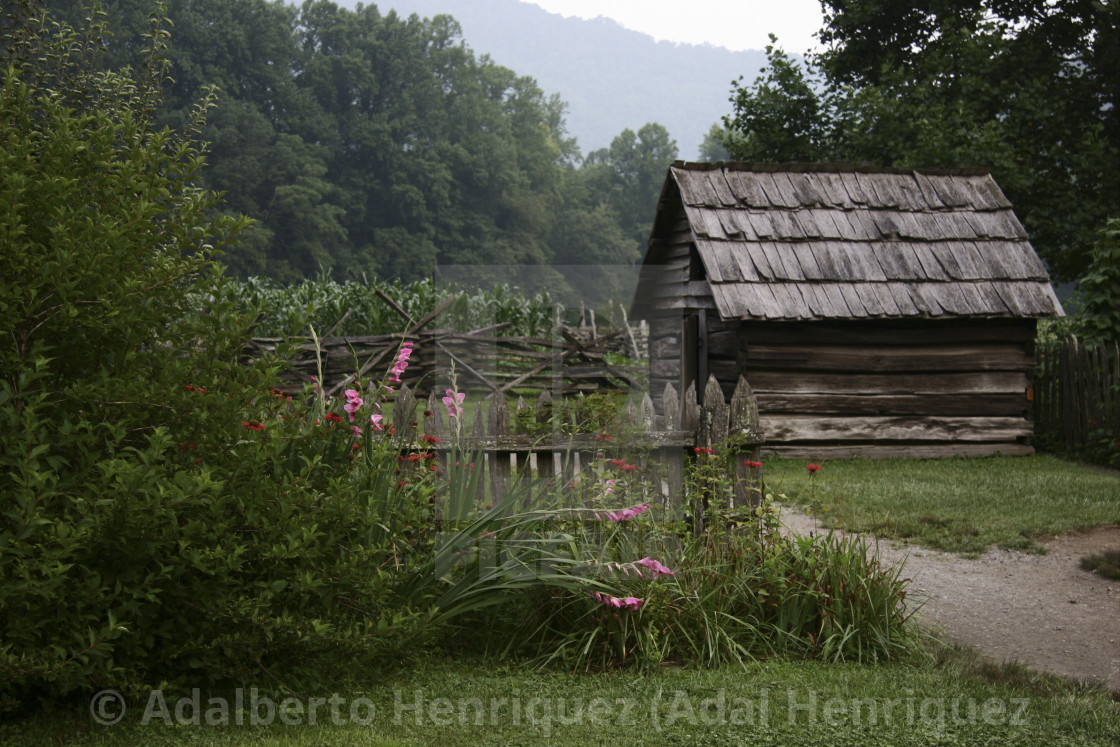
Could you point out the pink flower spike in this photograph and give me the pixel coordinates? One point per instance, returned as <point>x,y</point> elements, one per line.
<point>375,421</point>
<point>353,403</point>
<point>628,513</point>
<point>655,566</point>
<point>632,603</point>
<point>453,402</point>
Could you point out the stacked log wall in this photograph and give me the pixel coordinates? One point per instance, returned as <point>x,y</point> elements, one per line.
<point>885,389</point>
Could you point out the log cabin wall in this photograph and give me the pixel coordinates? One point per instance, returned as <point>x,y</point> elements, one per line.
<point>875,312</point>
<point>888,388</point>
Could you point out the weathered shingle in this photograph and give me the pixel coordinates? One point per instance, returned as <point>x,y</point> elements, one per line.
<point>828,242</point>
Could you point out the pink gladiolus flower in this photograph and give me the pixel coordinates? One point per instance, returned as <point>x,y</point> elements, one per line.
<point>626,513</point>
<point>355,430</point>
<point>375,421</point>
<point>353,403</point>
<point>453,402</point>
<point>655,566</point>
<point>631,603</point>
<point>401,363</point>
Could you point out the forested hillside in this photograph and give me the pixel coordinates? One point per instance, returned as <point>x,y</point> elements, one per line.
<point>364,142</point>
<point>611,77</point>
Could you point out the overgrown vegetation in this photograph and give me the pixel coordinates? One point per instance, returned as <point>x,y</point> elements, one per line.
<point>321,303</point>
<point>957,505</point>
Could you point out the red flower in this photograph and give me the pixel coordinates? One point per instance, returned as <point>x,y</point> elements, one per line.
<point>703,450</point>
<point>431,439</point>
<point>812,468</point>
<point>753,465</point>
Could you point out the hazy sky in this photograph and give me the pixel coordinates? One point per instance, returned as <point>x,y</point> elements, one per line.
<point>735,24</point>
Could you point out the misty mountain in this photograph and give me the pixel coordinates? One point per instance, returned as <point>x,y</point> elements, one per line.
<point>612,78</point>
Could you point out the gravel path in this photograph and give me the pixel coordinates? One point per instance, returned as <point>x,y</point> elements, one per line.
<point>1039,610</point>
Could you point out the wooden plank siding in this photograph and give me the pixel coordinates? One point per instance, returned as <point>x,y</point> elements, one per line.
<point>901,385</point>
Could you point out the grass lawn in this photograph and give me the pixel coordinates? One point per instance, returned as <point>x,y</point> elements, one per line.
<point>463,702</point>
<point>958,505</point>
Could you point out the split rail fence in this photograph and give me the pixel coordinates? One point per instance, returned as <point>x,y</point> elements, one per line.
<point>1077,392</point>
<point>485,360</point>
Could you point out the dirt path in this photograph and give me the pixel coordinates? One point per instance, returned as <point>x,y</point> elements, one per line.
<point>1038,610</point>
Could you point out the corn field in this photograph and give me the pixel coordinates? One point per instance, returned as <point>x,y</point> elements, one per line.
<point>366,308</point>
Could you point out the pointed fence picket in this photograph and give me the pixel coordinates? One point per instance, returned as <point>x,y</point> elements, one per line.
<point>515,453</point>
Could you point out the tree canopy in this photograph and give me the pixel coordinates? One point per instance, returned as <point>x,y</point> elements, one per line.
<point>1026,87</point>
<point>365,142</point>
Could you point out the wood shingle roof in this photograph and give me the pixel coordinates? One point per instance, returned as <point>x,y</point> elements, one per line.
<point>831,241</point>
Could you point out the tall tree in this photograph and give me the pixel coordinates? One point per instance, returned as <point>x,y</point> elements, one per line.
<point>632,171</point>
<point>1027,87</point>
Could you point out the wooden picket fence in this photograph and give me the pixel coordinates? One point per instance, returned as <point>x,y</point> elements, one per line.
<point>1077,392</point>
<point>516,460</point>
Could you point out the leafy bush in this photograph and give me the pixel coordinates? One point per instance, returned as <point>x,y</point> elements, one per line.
<point>149,533</point>
<point>1097,305</point>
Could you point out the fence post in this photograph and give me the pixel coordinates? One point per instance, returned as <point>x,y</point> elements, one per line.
<point>403,410</point>
<point>748,486</point>
<point>499,460</point>
<point>672,456</point>
<point>478,435</point>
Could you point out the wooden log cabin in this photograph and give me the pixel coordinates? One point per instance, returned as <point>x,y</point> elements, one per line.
<point>874,312</point>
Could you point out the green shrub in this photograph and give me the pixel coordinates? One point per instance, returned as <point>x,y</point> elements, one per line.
<point>152,531</point>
